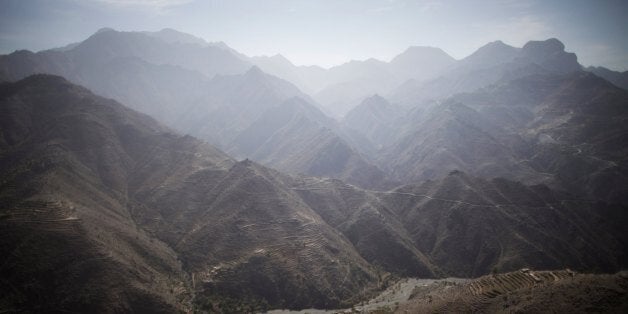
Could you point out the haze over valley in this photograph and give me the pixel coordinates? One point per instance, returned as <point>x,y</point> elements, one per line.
<point>160,172</point>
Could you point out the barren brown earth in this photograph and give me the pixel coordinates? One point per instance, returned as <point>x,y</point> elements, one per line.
<point>560,291</point>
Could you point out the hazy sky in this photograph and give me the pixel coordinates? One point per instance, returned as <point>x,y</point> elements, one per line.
<point>332,32</point>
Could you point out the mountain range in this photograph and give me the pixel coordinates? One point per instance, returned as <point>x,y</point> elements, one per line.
<point>151,74</point>
<point>230,183</point>
<point>171,218</point>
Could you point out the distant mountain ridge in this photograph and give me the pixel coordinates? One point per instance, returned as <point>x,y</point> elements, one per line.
<point>562,130</point>
<point>204,89</point>
<point>342,87</point>
<point>488,65</point>
<point>234,108</point>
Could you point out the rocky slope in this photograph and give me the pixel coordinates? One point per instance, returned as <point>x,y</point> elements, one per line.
<point>562,130</point>
<point>131,205</point>
<point>524,292</point>
<point>469,226</point>
<point>100,201</point>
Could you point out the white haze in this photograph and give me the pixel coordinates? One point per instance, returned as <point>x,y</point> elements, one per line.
<point>328,33</point>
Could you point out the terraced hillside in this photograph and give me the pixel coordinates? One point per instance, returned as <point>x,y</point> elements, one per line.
<point>372,227</point>
<point>67,239</point>
<point>100,201</point>
<point>524,291</point>
<point>465,226</point>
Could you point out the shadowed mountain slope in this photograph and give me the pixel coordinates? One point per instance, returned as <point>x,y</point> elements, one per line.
<point>69,241</point>
<point>469,226</point>
<point>144,209</point>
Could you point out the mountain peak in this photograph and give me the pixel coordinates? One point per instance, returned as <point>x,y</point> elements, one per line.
<point>375,99</point>
<point>497,46</point>
<point>374,104</point>
<point>421,62</point>
<point>373,61</point>
<point>493,53</point>
<point>424,50</point>
<point>551,45</point>
<point>497,43</point>
<point>105,29</point>
<point>170,30</point>
<point>171,36</point>
<point>254,71</point>
<point>551,55</point>
<point>279,58</point>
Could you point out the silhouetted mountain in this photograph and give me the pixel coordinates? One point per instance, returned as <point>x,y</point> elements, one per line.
<point>549,54</point>
<point>488,65</point>
<point>106,46</point>
<point>158,49</point>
